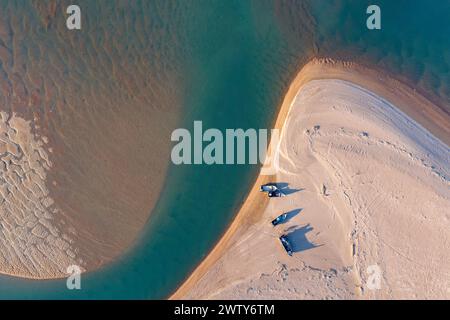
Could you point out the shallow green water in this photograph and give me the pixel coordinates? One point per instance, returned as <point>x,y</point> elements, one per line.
<point>234,60</point>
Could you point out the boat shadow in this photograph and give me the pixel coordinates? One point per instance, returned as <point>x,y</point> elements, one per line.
<point>298,240</point>
<point>291,214</point>
<point>284,187</point>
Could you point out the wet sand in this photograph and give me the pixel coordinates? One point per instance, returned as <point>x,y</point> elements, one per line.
<point>349,216</point>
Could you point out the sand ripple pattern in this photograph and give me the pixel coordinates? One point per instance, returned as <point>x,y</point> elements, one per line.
<point>106,98</point>
<point>31,241</point>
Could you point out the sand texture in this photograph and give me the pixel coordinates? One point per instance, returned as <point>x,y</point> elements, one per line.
<point>367,191</point>
<point>34,240</point>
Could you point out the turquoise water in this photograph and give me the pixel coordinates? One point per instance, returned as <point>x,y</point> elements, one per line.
<point>233,62</point>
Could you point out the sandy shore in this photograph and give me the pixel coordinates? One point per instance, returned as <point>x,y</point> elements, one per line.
<point>368,192</point>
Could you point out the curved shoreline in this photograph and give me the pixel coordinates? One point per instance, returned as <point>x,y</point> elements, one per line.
<point>399,94</point>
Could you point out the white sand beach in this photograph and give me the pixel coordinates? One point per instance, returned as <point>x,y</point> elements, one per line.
<point>368,190</point>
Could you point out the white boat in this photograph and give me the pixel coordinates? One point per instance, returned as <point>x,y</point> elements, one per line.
<point>269,187</point>
<point>276,193</point>
<point>286,244</point>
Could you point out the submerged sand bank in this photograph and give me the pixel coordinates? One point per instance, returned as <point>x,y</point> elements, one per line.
<point>31,242</point>
<point>82,116</point>
<point>370,189</point>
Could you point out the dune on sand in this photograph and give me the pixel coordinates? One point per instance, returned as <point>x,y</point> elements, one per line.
<point>367,199</point>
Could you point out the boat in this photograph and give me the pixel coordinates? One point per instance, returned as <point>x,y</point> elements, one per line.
<point>279,219</point>
<point>275,194</point>
<point>268,187</point>
<point>286,244</point>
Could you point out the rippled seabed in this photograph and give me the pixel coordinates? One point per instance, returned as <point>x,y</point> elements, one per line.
<point>109,96</point>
